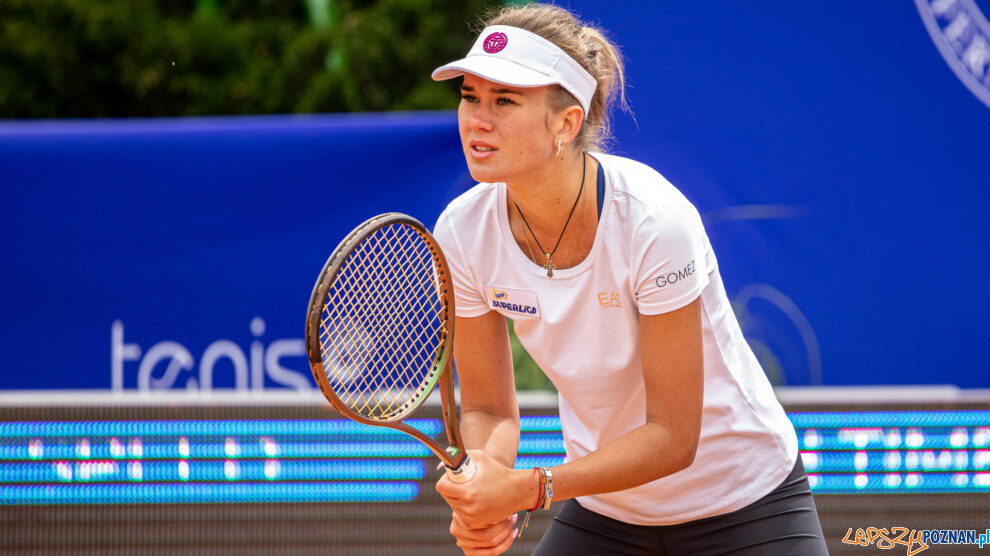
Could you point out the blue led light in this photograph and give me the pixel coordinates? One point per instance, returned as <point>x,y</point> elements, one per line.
<point>209,493</point>
<point>541,444</point>
<point>183,470</point>
<point>539,424</point>
<point>878,483</point>
<point>970,418</point>
<point>334,427</point>
<point>892,460</point>
<point>211,449</point>
<point>858,439</point>
<point>529,462</point>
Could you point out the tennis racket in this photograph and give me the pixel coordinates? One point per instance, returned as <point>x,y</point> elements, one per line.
<point>380,331</point>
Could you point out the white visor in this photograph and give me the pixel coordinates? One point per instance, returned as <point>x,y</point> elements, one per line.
<point>516,57</point>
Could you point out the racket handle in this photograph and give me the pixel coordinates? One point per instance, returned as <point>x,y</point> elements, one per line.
<point>462,473</point>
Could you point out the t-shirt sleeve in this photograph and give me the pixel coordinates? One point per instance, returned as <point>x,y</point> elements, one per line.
<point>468,301</point>
<point>671,249</point>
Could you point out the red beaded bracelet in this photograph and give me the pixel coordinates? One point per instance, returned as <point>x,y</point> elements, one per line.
<point>538,474</point>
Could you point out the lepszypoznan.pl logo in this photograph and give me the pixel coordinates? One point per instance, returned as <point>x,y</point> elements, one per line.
<point>914,540</point>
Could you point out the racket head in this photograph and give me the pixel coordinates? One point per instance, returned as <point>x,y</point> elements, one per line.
<point>379,327</point>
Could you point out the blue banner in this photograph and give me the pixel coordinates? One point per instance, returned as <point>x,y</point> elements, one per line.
<point>839,153</point>
<point>181,253</point>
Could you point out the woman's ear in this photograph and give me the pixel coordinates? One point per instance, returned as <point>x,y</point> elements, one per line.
<point>568,123</point>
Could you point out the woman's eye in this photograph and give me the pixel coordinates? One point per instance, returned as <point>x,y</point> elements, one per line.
<point>468,98</point>
<point>502,101</point>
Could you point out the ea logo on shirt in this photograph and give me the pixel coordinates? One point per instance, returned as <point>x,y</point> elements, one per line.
<point>609,299</point>
<point>962,35</point>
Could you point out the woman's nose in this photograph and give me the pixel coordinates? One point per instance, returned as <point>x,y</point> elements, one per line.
<point>481,118</point>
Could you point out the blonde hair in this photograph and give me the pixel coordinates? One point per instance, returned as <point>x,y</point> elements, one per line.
<point>589,47</point>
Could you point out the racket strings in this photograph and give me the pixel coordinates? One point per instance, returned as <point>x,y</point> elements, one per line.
<point>356,292</point>
<point>393,296</point>
<point>384,324</point>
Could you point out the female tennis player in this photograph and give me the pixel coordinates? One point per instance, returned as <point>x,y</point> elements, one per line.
<point>675,442</point>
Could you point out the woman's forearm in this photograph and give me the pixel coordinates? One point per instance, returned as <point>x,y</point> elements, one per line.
<point>644,454</point>
<point>497,435</point>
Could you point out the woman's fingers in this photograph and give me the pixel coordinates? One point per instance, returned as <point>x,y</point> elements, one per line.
<point>506,542</point>
<point>485,539</point>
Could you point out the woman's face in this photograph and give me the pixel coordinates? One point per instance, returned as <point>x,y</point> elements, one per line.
<point>505,132</point>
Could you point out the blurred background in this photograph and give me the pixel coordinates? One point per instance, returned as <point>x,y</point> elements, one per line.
<point>175,173</point>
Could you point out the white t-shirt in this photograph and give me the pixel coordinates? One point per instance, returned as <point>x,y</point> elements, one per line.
<point>651,255</point>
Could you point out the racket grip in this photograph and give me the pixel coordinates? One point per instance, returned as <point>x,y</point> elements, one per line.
<point>462,473</point>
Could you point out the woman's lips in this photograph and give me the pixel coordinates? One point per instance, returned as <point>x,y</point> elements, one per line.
<point>481,150</point>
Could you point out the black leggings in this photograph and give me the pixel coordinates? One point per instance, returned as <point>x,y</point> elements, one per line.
<point>783,522</point>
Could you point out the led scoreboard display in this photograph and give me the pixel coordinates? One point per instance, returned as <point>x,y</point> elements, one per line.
<point>259,474</point>
<point>330,460</point>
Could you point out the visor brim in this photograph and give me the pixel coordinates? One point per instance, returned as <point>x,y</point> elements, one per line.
<point>497,70</point>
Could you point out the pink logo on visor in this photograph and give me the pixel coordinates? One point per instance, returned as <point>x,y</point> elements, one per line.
<point>495,42</point>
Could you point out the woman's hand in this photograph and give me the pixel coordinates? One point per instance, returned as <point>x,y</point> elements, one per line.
<point>491,540</point>
<point>495,493</point>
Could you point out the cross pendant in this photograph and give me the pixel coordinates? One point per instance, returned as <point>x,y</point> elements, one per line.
<point>549,266</point>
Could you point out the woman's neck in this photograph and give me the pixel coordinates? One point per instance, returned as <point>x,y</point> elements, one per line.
<point>550,199</point>
<point>546,198</point>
